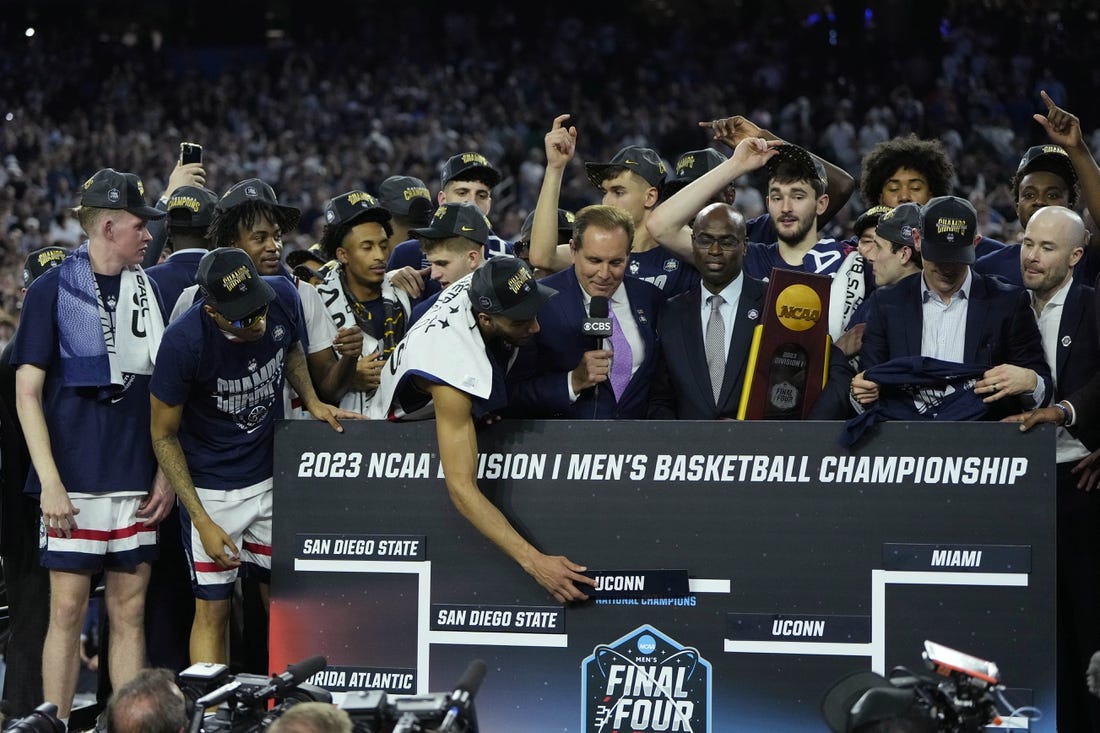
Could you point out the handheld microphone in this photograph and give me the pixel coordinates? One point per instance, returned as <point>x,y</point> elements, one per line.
<point>598,324</point>
<point>466,687</point>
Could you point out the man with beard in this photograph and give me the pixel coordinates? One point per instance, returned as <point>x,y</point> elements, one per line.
<point>1053,245</point>
<point>797,196</point>
<point>477,322</point>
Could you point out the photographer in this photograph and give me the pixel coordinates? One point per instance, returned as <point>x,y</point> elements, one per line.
<point>312,717</point>
<point>149,703</point>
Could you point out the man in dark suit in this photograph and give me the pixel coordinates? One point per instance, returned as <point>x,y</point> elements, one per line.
<point>566,373</point>
<point>1053,244</point>
<point>706,335</point>
<point>955,315</point>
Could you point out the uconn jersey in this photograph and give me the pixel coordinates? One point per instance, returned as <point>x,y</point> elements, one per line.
<point>824,259</point>
<point>658,266</point>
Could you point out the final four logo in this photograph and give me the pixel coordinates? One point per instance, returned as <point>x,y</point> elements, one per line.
<point>643,682</point>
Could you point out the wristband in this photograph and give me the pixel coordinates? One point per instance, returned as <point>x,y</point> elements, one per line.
<point>1065,412</point>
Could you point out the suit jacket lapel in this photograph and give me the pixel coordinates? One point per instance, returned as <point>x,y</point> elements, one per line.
<point>690,335</point>
<point>573,302</point>
<point>1074,310</point>
<point>976,311</point>
<point>640,309</point>
<point>752,297</point>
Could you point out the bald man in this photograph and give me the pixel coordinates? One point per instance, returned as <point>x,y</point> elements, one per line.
<point>706,332</point>
<point>1053,243</point>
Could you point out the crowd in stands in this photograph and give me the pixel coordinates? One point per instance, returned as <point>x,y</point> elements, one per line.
<point>818,120</point>
<point>328,112</point>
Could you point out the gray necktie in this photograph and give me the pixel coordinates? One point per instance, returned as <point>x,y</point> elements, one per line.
<point>715,344</point>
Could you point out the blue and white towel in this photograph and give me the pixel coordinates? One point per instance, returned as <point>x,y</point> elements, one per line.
<point>95,352</point>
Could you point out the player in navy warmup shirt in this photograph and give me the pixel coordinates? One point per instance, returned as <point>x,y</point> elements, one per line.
<point>732,130</point>
<point>190,211</point>
<point>1051,175</point>
<point>216,393</point>
<point>90,329</point>
<point>797,196</point>
<point>630,181</point>
<point>466,178</point>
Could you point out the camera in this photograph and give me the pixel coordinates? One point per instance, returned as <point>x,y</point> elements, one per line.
<point>961,698</point>
<point>372,711</point>
<point>43,719</point>
<point>242,699</point>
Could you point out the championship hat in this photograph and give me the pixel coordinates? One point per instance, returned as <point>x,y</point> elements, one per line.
<point>1052,158</point>
<point>406,196</point>
<point>469,167</point>
<point>868,219</point>
<point>948,227</point>
<point>39,261</point>
<point>110,189</point>
<point>253,189</point>
<point>565,227</point>
<point>191,207</point>
<point>456,220</point>
<point>231,284</point>
<point>505,286</point>
<point>692,165</point>
<point>643,161</point>
<point>354,207</point>
<point>897,225</point>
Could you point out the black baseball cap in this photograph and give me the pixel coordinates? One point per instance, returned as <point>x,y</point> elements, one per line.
<point>231,284</point>
<point>354,207</point>
<point>39,261</point>
<point>313,253</point>
<point>643,161</point>
<point>809,167</point>
<point>692,165</point>
<point>456,220</point>
<point>948,227</point>
<point>406,196</point>
<point>469,167</point>
<point>191,207</point>
<point>505,286</point>
<point>110,189</point>
<point>869,218</point>
<point>897,225</point>
<point>253,189</point>
<point>1052,158</point>
<point>565,226</point>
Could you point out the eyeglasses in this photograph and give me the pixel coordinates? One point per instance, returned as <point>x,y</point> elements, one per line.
<point>706,241</point>
<point>250,320</point>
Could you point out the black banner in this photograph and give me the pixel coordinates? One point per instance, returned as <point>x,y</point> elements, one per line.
<point>804,562</point>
